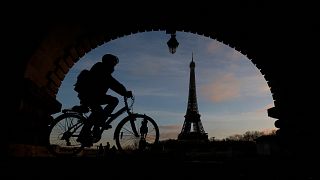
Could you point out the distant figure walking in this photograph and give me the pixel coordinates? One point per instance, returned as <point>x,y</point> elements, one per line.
<point>144,128</point>
<point>106,148</point>
<point>100,150</point>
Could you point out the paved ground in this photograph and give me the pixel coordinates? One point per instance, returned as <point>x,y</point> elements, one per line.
<point>154,166</point>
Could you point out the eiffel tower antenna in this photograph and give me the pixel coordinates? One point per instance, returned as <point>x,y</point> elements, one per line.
<point>192,127</point>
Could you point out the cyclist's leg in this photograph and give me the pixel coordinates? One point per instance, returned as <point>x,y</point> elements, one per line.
<point>98,115</point>
<point>85,134</point>
<point>95,118</point>
<point>85,131</point>
<point>111,102</point>
<point>84,99</point>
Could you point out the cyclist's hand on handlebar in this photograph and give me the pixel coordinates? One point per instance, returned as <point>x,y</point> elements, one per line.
<point>129,94</point>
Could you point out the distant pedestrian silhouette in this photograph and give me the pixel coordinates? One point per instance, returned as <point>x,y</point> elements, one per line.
<point>100,150</point>
<point>144,128</point>
<point>106,148</point>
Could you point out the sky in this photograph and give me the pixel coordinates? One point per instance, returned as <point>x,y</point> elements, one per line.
<point>232,94</point>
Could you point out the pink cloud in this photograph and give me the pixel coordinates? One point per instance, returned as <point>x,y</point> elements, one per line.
<point>265,108</point>
<point>169,131</point>
<point>234,55</point>
<point>268,131</point>
<point>224,88</point>
<point>170,127</point>
<point>228,86</point>
<point>169,135</point>
<point>214,47</point>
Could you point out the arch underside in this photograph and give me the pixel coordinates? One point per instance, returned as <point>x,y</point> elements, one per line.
<point>56,45</point>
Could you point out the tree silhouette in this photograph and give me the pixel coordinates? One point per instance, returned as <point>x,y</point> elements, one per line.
<point>248,136</point>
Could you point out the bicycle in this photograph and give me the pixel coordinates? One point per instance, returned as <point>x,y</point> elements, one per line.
<point>134,132</point>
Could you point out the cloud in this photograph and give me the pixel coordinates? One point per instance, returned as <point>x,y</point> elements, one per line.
<point>169,131</point>
<point>229,86</point>
<point>224,52</point>
<point>222,89</point>
<point>174,127</point>
<point>146,66</point>
<point>265,108</point>
<point>169,135</point>
<point>268,130</point>
<point>154,92</point>
<point>234,55</point>
<point>86,63</point>
<point>214,47</point>
<point>165,116</point>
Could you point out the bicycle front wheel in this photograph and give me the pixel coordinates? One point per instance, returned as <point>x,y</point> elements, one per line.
<point>63,133</point>
<point>136,132</point>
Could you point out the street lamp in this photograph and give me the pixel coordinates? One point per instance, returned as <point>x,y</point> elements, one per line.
<point>172,43</point>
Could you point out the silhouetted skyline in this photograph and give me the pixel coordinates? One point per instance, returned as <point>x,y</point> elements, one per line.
<point>233,96</point>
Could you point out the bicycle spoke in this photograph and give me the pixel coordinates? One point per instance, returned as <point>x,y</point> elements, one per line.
<point>147,130</point>
<point>62,135</point>
<point>127,130</point>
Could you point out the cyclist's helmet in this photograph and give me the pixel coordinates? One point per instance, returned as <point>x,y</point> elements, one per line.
<point>110,59</point>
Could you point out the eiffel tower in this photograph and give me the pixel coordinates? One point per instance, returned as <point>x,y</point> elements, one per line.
<point>192,127</point>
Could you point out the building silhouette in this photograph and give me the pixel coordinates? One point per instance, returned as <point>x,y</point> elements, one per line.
<point>192,127</point>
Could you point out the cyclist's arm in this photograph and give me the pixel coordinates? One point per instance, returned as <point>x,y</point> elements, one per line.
<point>117,87</point>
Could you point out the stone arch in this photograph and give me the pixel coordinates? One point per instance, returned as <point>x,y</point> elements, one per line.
<point>58,44</point>
<point>60,66</point>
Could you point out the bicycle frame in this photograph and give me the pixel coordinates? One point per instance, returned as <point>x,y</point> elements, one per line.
<point>112,118</point>
<point>118,113</point>
<point>66,132</point>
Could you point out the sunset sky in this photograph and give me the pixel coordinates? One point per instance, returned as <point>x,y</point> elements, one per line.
<point>233,96</point>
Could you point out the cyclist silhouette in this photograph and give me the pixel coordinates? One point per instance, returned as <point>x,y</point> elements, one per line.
<point>93,95</point>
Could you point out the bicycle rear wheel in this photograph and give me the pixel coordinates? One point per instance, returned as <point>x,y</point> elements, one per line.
<point>63,133</point>
<point>136,132</point>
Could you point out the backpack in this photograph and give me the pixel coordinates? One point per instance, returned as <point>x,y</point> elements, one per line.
<point>83,81</point>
